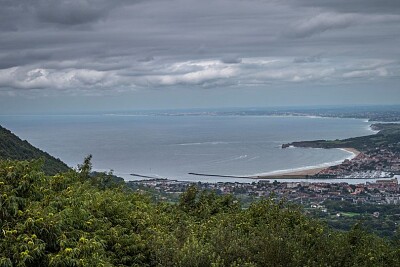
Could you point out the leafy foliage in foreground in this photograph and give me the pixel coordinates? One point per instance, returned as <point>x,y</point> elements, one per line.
<point>73,219</point>
<point>13,148</point>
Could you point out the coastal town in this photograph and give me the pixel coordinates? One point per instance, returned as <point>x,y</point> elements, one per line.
<point>373,164</point>
<point>375,156</point>
<point>374,204</point>
<point>314,193</point>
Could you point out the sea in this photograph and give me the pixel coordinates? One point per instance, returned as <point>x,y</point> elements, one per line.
<point>172,145</point>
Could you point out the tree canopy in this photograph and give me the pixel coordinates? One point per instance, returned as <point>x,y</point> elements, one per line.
<point>75,219</point>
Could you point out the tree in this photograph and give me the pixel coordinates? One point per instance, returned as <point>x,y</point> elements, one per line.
<point>86,167</point>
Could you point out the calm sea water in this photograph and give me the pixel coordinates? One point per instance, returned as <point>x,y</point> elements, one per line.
<point>173,146</point>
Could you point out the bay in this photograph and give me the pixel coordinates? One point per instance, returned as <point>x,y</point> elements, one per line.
<point>173,146</point>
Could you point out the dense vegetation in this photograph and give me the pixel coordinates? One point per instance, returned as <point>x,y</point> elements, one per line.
<point>388,136</point>
<point>342,215</point>
<point>74,219</point>
<point>12,147</point>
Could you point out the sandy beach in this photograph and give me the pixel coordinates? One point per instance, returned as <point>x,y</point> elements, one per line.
<point>352,150</point>
<point>303,173</point>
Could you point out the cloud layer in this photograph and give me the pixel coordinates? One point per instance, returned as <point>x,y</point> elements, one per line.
<point>121,45</point>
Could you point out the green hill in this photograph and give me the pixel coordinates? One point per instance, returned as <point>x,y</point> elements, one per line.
<point>13,148</point>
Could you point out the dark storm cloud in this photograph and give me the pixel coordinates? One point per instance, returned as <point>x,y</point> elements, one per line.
<point>73,12</point>
<point>63,12</point>
<point>146,59</point>
<point>231,60</point>
<point>322,23</point>
<point>310,59</point>
<point>22,58</point>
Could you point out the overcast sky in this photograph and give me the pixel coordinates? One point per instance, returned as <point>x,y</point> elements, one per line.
<point>87,55</point>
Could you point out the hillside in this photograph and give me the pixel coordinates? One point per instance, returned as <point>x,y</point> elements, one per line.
<point>72,219</point>
<point>13,148</point>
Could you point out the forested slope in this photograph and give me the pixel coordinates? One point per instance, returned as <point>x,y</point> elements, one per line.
<point>12,147</point>
<point>74,219</point>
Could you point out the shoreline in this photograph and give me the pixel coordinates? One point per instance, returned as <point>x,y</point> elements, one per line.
<point>300,173</point>
<point>303,173</point>
<point>354,151</point>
